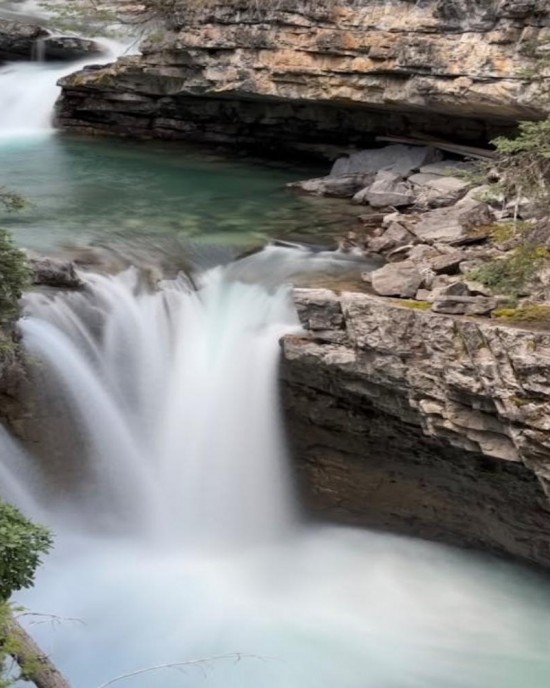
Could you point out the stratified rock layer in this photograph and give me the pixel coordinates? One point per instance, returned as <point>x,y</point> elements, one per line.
<point>305,73</point>
<point>421,423</point>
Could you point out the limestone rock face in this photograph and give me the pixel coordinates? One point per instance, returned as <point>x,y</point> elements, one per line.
<point>421,422</point>
<point>320,74</point>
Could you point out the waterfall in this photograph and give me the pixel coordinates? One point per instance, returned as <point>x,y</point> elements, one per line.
<point>171,393</point>
<point>165,478</point>
<point>162,470</point>
<point>28,91</point>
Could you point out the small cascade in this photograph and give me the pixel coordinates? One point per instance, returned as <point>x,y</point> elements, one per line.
<point>28,90</point>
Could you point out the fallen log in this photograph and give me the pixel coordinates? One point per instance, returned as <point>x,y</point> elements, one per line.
<point>449,147</point>
<point>35,665</point>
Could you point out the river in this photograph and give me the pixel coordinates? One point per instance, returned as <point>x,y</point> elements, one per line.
<point>164,471</point>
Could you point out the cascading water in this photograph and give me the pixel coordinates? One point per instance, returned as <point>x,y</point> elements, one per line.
<point>176,373</point>
<point>163,473</point>
<point>29,89</point>
<point>176,534</point>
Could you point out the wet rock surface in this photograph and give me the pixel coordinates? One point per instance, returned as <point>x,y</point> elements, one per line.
<point>52,272</point>
<point>23,41</point>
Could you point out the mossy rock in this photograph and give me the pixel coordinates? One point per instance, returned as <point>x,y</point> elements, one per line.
<point>534,314</point>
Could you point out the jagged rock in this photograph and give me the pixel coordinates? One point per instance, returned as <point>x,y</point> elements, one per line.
<point>54,273</point>
<point>397,279</point>
<point>433,190</point>
<point>465,305</point>
<point>393,237</point>
<point>21,41</point>
<point>447,263</point>
<point>399,159</point>
<point>454,225</point>
<point>423,423</point>
<point>476,288</point>
<point>387,189</point>
<point>18,40</point>
<point>338,186</point>
<point>69,48</point>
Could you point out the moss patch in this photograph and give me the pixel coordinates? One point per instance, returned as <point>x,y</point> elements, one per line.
<point>535,314</point>
<point>415,305</point>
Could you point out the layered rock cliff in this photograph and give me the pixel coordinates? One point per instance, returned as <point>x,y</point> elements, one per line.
<point>421,423</point>
<point>305,72</point>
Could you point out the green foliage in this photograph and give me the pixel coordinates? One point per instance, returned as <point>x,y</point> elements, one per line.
<point>22,545</point>
<point>524,163</point>
<point>511,274</point>
<point>14,276</point>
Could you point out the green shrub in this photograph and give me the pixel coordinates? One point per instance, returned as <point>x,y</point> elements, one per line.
<point>22,545</point>
<point>14,276</point>
<point>510,275</point>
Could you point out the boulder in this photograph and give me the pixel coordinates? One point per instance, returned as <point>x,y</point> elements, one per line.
<point>67,48</point>
<point>454,225</point>
<point>388,189</point>
<point>395,236</point>
<point>54,273</point>
<point>465,305</point>
<point>340,186</point>
<point>396,158</point>
<point>18,40</point>
<point>397,279</point>
<point>21,41</point>
<point>435,191</point>
<point>447,263</point>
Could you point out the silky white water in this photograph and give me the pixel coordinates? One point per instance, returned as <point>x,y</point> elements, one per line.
<point>162,470</point>
<point>178,537</point>
<point>28,90</point>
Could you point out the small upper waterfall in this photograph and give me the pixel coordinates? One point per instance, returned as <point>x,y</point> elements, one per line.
<point>28,89</point>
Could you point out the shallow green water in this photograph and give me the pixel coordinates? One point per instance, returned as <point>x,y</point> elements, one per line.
<point>86,190</point>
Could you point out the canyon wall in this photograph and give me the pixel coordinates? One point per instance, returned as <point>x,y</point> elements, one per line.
<point>421,423</point>
<point>312,75</point>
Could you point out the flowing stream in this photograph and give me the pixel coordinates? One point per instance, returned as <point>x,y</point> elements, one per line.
<point>163,471</point>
